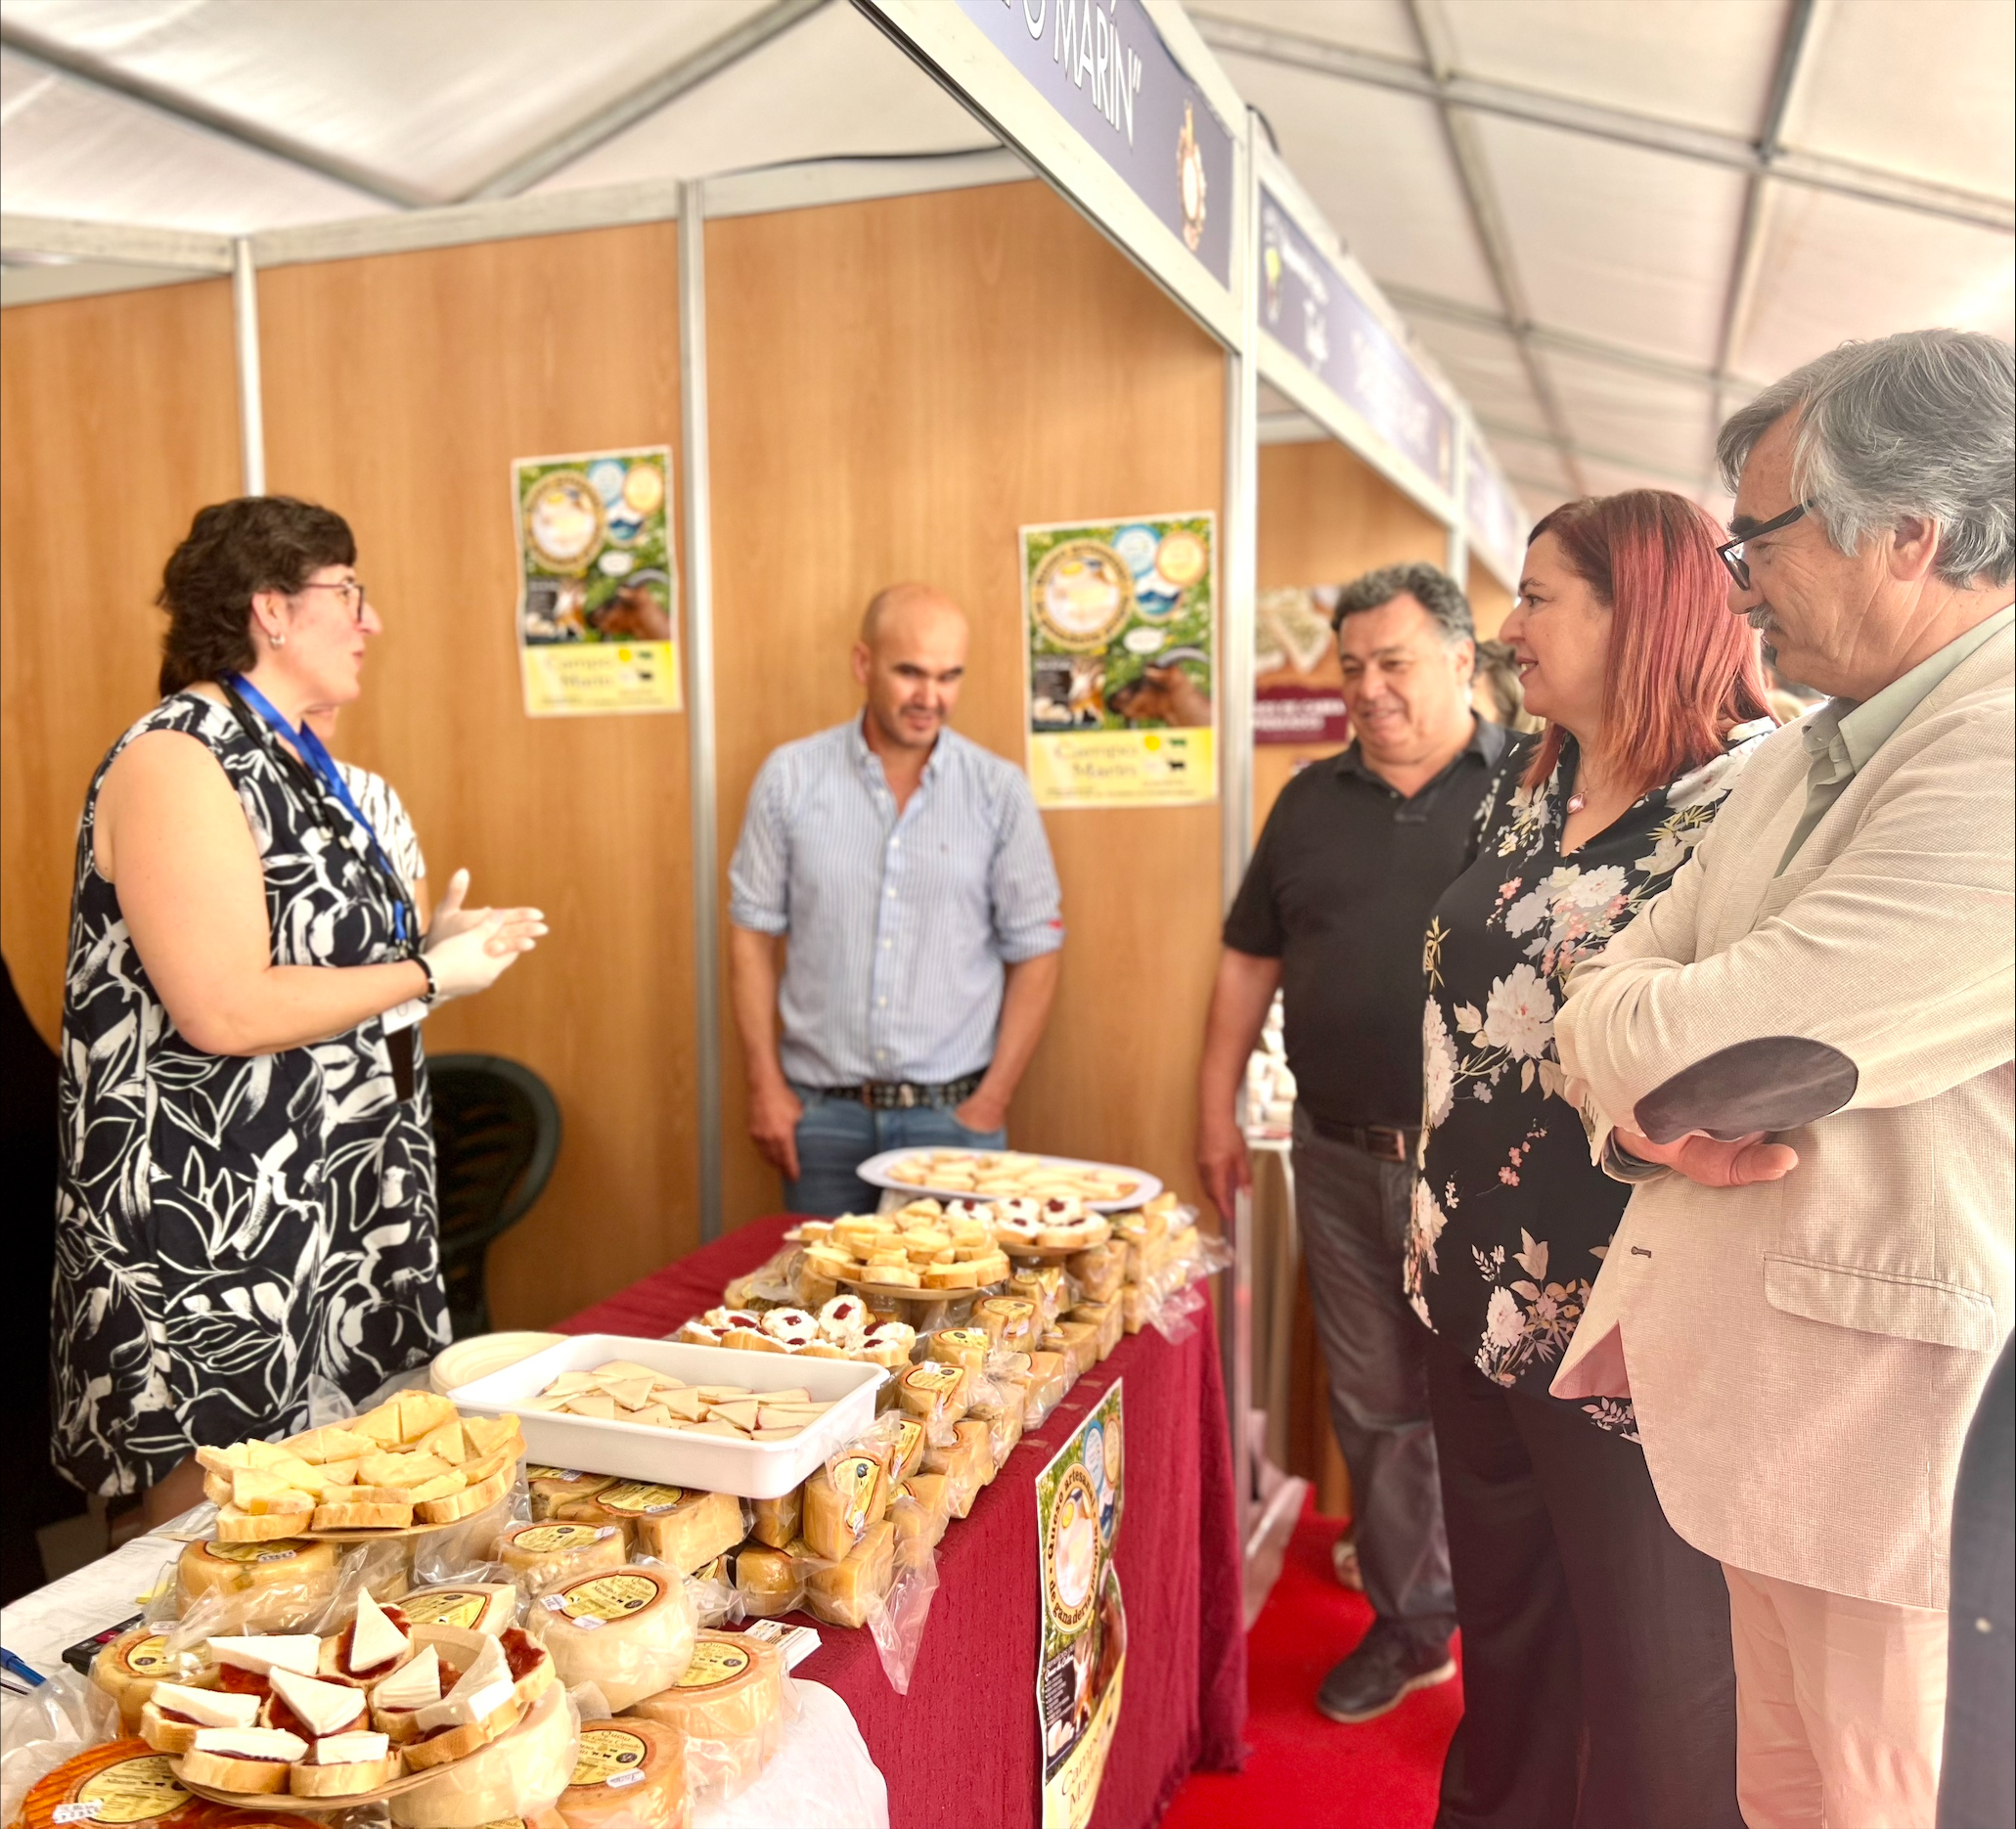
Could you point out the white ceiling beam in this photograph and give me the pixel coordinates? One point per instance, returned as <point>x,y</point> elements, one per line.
<point>1748,257</point>
<point>1707,145</point>
<point>93,72</point>
<point>605,124</point>
<point>125,243</point>
<point>1572,451</point>
<point>1481,200</point>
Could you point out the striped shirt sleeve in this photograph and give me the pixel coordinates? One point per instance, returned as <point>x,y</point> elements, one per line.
<point>759,874</point>
<point>1028,917</point>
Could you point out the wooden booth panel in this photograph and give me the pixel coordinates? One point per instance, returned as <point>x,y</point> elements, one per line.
<point>398,390</point>
<point>897,387</point>
<point>1326,517</point>
<point>118,420</point>
<point>1490,602</point>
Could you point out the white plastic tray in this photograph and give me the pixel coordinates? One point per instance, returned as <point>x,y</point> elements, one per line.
<point>875,1171</point>
<point>672,1457</point>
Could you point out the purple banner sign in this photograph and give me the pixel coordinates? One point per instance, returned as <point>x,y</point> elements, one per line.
<point>1105,68</point>
<point>1494,520</point>
<point>1309,307</point>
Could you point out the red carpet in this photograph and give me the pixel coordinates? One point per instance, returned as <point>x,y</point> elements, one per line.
<point>1306,1770</point>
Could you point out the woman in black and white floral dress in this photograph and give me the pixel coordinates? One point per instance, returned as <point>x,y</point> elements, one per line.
<point>246,1198</point>
<point>1597,1676</point>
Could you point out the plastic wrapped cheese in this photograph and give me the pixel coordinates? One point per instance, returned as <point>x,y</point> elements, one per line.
<point>128,1668</point>
<point>841,1592</point>
<point>550,1488</point>
<point>927,1513</point>
<point>519,1775</point>
<point>539,1554</point>
<point>259,1586</point>
<point>475,1606</point>
<point>628,1630</point>
<point>967,1464</point>
<point>777,1520</point>
<point>730,1706</point>
<point>692,1532</point>
<point>125,1782</point>
<point>767,1579</point>
<point>630,1775</point>
<point>846,1495</point>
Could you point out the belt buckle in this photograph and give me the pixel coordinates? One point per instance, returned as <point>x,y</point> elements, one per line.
<point>905,1096</point>
<point>1387,1144</point>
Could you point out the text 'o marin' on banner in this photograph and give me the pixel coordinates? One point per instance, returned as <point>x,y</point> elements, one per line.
<point>597,592</point>
<point>1120,619</point>
<point>1091,93</point>
<point>1315,311</point>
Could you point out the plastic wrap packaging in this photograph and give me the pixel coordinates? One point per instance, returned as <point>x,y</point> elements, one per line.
<point>1011,1323</point>
<point>453,1550</point>
<point>1099,1272</point>
<point>843,1591</point>
<point>767,1580</point>
<point>730,1705</point>
<point>716,1600</point>
<point>523,1772</point>
<point>935,1394</point>
<point>630,1775</point>
<point>1048,1380</point>
<point>777,1521</point>
<point>897,1618</point>
<point>851,1490</point>
<point>629,1630</point>
<point>299,1587</point>
<point>126,1670</point>
<point>44,1729</point>
<point>966,1465</point>
<point>539,1554</point>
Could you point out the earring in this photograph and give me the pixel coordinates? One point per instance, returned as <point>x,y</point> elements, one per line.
<point>278,640</point>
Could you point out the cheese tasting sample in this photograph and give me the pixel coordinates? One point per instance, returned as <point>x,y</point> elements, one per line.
<point>253,1759</point>
<point>728,1705</point>
<point>629,1631</point>
<point>629,1774</point>
<point>173,1714</point>
<point>519,1775</point>
<point>623,1392</point>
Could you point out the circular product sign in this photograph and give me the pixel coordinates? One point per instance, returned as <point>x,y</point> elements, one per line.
<point>1182,558</point>
<point>1073,1563</point>
<point>564,521</point>
<point>1082,594</point>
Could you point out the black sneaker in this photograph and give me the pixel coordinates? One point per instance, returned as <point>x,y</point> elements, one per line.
<point>1387,1667</point>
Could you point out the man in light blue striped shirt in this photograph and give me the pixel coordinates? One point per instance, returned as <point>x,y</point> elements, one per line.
<point>910,870</point>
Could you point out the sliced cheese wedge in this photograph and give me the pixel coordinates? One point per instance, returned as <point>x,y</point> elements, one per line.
<point>629,1392</point>
<point>624,1368</point>
<point>271,1651</point>
<point>359,1746</point>
<point>207,1707</point>
<point>413,1685</point>
<point>376,1639</point>
<point>485,1687</point>
<point>593,1403</point>
<point>568,1384</point>
<point>687,1404</point>
<point>252,1743</point>
<point>326,1708</point>
<point>740,1412</point>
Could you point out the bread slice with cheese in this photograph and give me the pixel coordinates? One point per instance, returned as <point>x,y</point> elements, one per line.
<point>466,1501</point>
<point>243,1526</point>
<point>251,1759</point>
<point>342,1765</point>
<point>350,1515</point>
<point>176,1713</point>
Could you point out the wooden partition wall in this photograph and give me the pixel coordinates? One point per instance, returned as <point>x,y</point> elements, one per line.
<point>896,387</point>
<point>118,420</point>
<point>398,390</point>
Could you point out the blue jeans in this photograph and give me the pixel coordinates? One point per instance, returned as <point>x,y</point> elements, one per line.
<point>836,1136</point>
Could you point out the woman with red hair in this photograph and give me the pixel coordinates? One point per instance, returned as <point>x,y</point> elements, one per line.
<point>1598,1684</point>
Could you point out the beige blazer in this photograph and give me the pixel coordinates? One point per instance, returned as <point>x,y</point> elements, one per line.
<point>1806,1355</point>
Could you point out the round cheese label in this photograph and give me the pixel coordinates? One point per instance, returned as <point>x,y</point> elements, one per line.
<point>607,1753</point>
<point>567,1474</point>
<point>133,1791</point>
<point>609,1597</point>
<point>447,1606</point>
<point>933,1377</point>
<point>639,1501</point>
<point>541,1538</point>
<point>283,1551</point>
<point>149,1657</point>
<point>714,1662</point>
<point>854,1478</point>
<point>967,1336</point>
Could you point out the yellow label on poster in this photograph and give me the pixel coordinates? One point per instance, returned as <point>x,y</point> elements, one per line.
<point>573,681</point>
<point>1119,767</point>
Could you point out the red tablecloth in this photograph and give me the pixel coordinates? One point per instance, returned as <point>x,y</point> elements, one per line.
<point>961,1749</point>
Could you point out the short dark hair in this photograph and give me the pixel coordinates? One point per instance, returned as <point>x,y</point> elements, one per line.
<point>1428,585</point>
<point>233,551</point>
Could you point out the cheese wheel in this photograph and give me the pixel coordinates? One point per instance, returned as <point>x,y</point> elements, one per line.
<point>767,1579</point>
<point>691,1534</point>
<point>125,1782</point>
<point>475,1606</point>
<point>263,1586</point>
<point>846,1495</point>
<point>519,1775</point>
<point>728,1705</point>
<point>923,1519</point>
<point>543,1553</point>
<point>778,1519</point>
<point>128,1668</point>
<point>553,1487</point>
<point>628,1630</point>
<point>841,1593</point>
<point>966,1347</point>
<point>630,1772</point>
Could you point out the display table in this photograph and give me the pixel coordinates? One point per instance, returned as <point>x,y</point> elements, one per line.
<point>961,1747</point>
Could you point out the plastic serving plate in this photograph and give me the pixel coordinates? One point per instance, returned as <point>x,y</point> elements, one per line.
<point>875,1171</point>
<point>671,1456</point>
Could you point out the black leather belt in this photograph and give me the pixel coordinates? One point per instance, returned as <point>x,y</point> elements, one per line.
<point>1376,1140</point>
<point>904,1094</point>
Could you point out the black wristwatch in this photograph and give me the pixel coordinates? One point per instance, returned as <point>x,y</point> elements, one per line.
<point>433,988</point>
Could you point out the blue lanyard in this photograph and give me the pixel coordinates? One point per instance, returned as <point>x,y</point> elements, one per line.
<point>324,763</point>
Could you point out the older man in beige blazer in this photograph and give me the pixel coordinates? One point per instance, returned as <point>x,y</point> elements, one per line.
<point>1803,1051</point>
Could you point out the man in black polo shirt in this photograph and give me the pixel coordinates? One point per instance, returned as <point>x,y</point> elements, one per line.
<point>1354,855</point>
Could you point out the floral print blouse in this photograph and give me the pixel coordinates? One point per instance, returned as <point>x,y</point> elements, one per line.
<point>1510,1218</point>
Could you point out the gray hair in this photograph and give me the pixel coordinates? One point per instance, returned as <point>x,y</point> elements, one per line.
<point>1919,424</point>
<point>1428,585</point>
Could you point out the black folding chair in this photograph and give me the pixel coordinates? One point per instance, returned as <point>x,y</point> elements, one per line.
<point>497,1133</point>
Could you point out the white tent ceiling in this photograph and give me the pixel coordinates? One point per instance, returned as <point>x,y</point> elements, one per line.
<point>1606,219</point>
